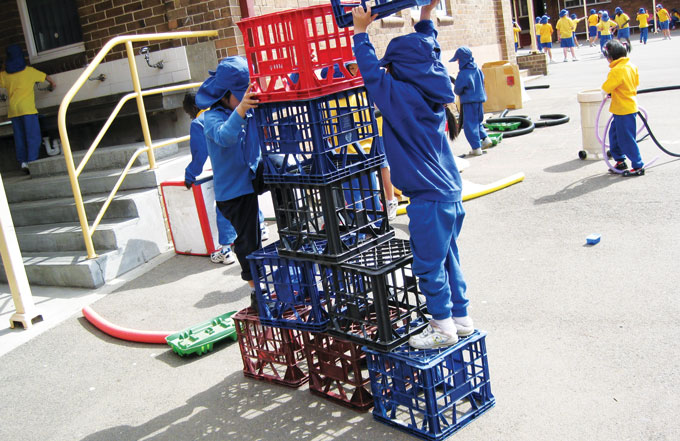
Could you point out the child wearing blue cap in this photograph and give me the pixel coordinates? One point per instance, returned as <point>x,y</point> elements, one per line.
<point>643,23</point>
<point>622,22</point>
<point>664,21</point>
<point>593,20</point>
<point>605,27</point>
<point>546,36</point>
<point>575,20</point>
<point>19,80</point>
<point>537,27</point>
<point>516,30</point>
<point>233,143</point>
<point>566,29</point>
<point>412,91</point>
<point>622,82</point>
<point>469,87</point>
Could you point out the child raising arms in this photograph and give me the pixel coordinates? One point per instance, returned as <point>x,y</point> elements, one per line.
<point>416,82</point>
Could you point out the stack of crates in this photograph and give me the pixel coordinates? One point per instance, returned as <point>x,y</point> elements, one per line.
<point>336,293</point>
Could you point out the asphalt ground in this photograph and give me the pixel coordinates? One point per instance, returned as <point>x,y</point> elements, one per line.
<point>582,342</point>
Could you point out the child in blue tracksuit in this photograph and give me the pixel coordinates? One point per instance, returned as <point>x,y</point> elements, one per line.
<point>416,82</point>
<point>470,88</point>
<point>199,154</point>
<point>233,143</point>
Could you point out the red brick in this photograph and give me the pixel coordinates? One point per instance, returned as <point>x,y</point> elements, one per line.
<point>144,13</point>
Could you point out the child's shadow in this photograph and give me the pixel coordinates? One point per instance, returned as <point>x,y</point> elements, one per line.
<point>579,188</point>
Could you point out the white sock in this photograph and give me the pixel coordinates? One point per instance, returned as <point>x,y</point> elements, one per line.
<point>463,321</point>
<point>446,325</point>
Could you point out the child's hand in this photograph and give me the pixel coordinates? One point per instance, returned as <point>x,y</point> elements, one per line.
<point>362,18</point>
<point>248,102</point>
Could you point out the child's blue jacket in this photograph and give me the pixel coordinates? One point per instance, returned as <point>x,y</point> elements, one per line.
<point>470,80</point>
<point>414,120</point>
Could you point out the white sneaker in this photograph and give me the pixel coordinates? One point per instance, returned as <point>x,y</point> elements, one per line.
<point>464,325</point>
<point>24,167</point>
<point>432,338</point>
<point>574,59</point>
<point>223,255</point>
<point>476,152</point>
<point>486,143</point>
<point>565,60</point>
<point>264,232</point>
<point>392,207</point>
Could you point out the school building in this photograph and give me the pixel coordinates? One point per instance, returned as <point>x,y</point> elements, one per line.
<point>63,37</point>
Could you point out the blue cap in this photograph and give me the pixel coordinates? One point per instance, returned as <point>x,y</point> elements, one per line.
<point>544,19</point>
<point>618,10</point>
<point>605,16</point>
<point>593,11</point>
<point>231,75</point>
<point>415,59</point>
<point>659,6</point>
<point>15,59</point>
<point>641,11</point>
<point>538,19</point>
<point>563,12</point>
<point>573,16</point>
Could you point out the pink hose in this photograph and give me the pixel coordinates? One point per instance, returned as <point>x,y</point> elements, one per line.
<point>604,136</point>
<point>109,328</point>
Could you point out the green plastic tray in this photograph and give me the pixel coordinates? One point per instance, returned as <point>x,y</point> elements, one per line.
<point>502,127</point>
<point>496,138</point>
<point>199,339</point>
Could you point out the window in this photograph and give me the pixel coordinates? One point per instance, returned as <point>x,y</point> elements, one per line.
<point>575,3</point>
<point>51,28</point>
<point>440,11</point>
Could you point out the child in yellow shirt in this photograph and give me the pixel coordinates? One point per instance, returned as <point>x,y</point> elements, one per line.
<point>565,27</point>
<point>546,36</point>
<point>642,19</point>
<point>593,20</point>
<point>664,21</point>
<point>622,82</point>
<point>605,26</point>
<point>516,30</point>
<point>19,81</point>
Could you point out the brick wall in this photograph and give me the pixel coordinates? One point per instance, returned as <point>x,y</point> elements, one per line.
<point>10,23</point>
<point>537,64</point>
<point>469,22</point>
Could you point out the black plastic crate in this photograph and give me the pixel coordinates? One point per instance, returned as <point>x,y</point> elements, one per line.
<point>346,216</point>
<point>323,168</point>
<point>375,290</point>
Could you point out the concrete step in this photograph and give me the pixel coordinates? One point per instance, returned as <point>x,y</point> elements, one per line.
<point>110,235</point>
<point>32,188</point>
<point>75,270</point>
<point>102,158</point>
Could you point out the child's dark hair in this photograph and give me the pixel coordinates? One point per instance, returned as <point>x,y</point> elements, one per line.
<point>614,49</point>
<point>189,104</point>
<point>453,126</point>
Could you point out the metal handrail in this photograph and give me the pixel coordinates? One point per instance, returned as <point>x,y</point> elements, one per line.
<point>138,94</point>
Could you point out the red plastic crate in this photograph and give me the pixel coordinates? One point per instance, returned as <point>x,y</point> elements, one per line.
<point>338,370</point>
<point>298,54</point>
<point>270,354</point>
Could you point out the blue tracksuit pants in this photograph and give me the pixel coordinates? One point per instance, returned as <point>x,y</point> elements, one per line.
<point>473,117</point>
<point>434,228</point>
<point>643,35</point>
<point>622,142</point>
<point>27,137</point>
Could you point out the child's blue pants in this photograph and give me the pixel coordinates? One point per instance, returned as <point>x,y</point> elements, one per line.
<point>434,228</point>
<point>643,35</point>
<point>27,138</point>
<point>473,116</point>
<point>622,140</point>
<point>226,233</point>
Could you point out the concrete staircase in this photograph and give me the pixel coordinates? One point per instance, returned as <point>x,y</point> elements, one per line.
<point>131,232</point>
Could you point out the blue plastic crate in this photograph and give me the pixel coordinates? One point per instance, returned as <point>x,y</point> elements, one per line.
<point>373,298</point>
<point>342,9</point>
<point>317,125</point>
<point>289,292</point>
<point>331,222</point>
<point>431,393</point>
<point>322,168</point>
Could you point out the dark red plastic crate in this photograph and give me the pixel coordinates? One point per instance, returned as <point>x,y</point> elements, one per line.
<point>375,290</point>
<point>298,53</point>
<point>338,370</point>
<point>270,354</point>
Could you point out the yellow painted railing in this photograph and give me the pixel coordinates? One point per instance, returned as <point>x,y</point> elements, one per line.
<point>139,94</point>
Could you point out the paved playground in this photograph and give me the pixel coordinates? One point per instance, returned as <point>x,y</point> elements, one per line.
<point>583,341</point>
